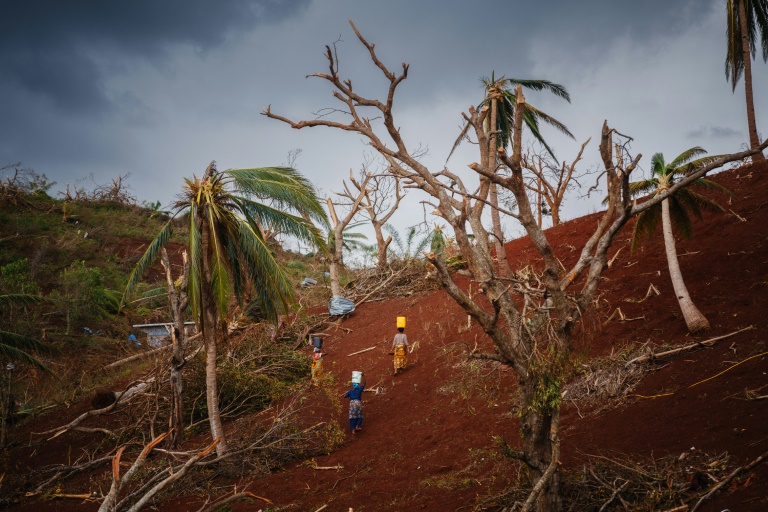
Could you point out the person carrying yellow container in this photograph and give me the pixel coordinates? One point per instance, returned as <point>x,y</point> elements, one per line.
<point>400,346</point>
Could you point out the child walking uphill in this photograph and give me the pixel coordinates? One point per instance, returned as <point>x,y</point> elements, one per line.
<point>400,350</point>
<point>355,396</point>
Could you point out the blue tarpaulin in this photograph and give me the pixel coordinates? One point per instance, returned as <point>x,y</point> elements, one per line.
<point>339,306</point>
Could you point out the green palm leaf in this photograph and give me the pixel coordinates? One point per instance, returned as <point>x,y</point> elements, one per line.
<point>646,224</point>
<point>147,259</point>
<point>679,215</point>
<point>20,299</point>
<point>542,85</point>
<point>686,156</point>
<point>684,203</point>
<point>285,186</point>
<point>15,346</point>
<point>757,20</point>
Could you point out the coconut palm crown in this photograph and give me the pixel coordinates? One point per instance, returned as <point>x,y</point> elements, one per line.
<point>745,18</point>
<point>681,205</point>
<point>503,91</point>
<point>756,12</point>
<point>226,213</point>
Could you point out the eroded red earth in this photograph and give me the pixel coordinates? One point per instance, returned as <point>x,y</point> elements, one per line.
<point>431,435</point>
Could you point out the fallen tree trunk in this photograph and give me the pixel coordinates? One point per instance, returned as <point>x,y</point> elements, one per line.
<point>142,355</point>
<point>705,343</point>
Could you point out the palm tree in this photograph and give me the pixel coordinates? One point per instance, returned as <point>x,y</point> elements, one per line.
<point>501,92</point>
<point>501,98</point>
<point>228,254</point>
<point>745,17</point>
<point>674,214</point>
<point>410,248</point>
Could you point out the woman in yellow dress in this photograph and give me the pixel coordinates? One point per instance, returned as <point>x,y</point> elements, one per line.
<point>400,350</point>
<point>317,367</point>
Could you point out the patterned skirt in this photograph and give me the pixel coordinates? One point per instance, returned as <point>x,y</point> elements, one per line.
<point>317,369</point>
<point>355,409</point>
<point>401,356</point>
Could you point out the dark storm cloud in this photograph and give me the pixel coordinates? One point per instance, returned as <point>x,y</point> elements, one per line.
<point>59,50</point>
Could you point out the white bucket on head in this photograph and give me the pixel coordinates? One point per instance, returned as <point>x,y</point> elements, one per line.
<point>357,377</point>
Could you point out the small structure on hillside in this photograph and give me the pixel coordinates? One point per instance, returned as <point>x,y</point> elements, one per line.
<point>159,334</point>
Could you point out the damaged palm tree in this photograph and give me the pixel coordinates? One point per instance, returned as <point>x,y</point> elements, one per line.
<point>228,254</point>
<point>530,317</point>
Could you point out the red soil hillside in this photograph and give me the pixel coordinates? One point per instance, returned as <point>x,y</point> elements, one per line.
<point>431,438</point>
<point>424,447</point>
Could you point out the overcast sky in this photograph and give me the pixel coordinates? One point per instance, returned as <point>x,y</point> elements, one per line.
<point>158,89</point>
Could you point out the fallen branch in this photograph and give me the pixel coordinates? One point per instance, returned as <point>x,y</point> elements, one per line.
<point>612,260</point>
<point>622,318</point>
<point>705,343</point>
<point>652,290</point>
<point>117,482</point>
<point>218,505</point>
<point>615,493</point>
<point>382,284</point>
<point>172,477</point>
<point>94,412</point>
<point>86,497</point>
<point>145,354</point>
<point>338,467</point>
<point>736,472</point>
<point>361,351</point>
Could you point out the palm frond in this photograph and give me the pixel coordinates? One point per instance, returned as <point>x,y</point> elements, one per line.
<point>195,245</point>
<point>705,184</point>
<point>457,142</point>
<point>425,241</point>
<point>15,346</point>
<point>147,259</point>
<point>760,20</point>
<point>220,283</point>
<point>734,57</point>
<point>696,203</point>
<point>542,85</point>
<point>658,167</point>
<point>283,222</point>
<point>285,186</point>
<point>271,284</point>
<point>686,156</point>
<point>646,224</point>
<point>678,215</point>
<point>694,165</point>
<point>549,120</point>
<point>20,299</point>
<point>644,187</point>
<point>395,237</point>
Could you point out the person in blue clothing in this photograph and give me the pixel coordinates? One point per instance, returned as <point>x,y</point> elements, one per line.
<point>355,396</point>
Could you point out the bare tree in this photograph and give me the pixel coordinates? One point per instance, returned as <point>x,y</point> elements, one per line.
<point>339,224</point>
<point>177,296</point>
<point>530,317</point>
<point>551,182</point>
<point>380,202</point>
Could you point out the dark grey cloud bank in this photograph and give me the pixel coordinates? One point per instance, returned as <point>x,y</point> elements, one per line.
<point>60,50</point>
<point>160,88</point>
